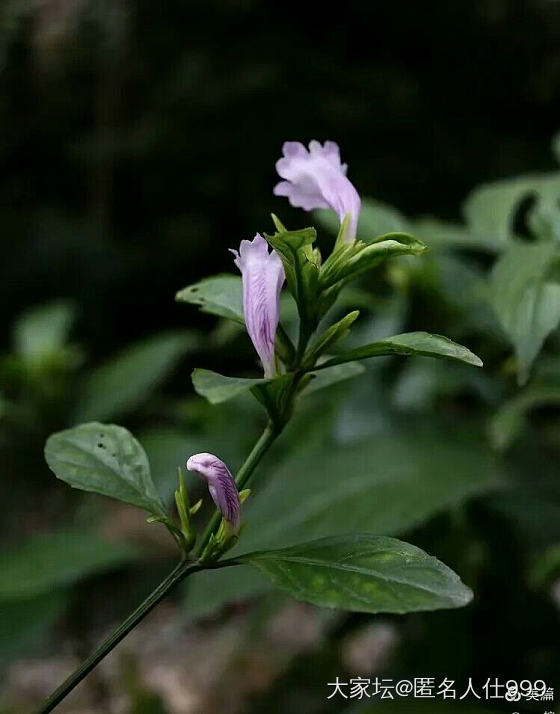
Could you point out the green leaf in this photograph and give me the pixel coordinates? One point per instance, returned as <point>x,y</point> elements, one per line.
<point>46,561</point>
<point>167,448</point>
<point>352,259</point>
<point>122,383</point>
<point>387,485</point>
<point>491,208</point>
<point>362,573</point>
<point>220,295</point>
<point>409,343</point>
<point>210,590</point>
<point>546,566</point>
<point>217,388</point>
<point>104,459</point>
<point>443,236</point>
<point>377,218</point>
<point>544,217</point>
<point>43,331</point>
<point>26,623</point>
<point>510,419</point>
<point>331,336</point>
<point>527,306</point>
<point>300,262</point>
<point>333,375</point>
<point>271,393</point>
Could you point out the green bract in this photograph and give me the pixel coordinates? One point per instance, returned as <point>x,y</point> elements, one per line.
<point>350,260</point>
<point>301,265</point>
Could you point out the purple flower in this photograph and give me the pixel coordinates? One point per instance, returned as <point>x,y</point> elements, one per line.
<point>221,485</point>
<point>263,277</point>
<point>317,179</point>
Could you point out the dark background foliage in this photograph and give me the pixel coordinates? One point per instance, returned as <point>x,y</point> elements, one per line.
<point>139,138</point>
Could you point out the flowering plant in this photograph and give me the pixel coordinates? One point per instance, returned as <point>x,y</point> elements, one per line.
<point>360,572</point>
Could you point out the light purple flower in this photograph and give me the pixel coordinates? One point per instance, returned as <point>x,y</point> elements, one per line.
<point>263,277</point>
<point>317,179</point>
<point>221,485</point>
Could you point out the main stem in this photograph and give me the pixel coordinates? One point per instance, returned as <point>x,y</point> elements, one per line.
<point>182,570</point>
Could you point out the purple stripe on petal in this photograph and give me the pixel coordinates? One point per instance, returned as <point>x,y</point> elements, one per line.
<point>263,276</point>
<point>221,485</point>
<point>317,179</point>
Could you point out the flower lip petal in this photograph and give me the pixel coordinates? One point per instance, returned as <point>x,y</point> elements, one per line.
<point>316,178</point>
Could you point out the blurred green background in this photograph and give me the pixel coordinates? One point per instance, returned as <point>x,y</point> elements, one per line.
<point>137,144</point>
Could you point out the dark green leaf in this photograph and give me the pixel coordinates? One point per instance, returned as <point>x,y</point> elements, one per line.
<point>127,380</point>
<point>26,623</point>
<point>220,295</point>
<point>210,590</point>
<point>409,343</point>
<point>509,420</point>
<point>386,485</point>
<point>50,560</point>
<point>362,573</point>
<point>167,448</point>
<point>105,459</point>
<point>546,566</point>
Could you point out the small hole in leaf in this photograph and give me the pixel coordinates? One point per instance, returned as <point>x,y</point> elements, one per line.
<point>101,446</point>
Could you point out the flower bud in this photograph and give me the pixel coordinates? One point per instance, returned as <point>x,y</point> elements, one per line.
<point>263,276</point>
<point>221,485</point>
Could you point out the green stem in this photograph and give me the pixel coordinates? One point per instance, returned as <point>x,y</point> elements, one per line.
<point>270,433</point>
<point>179,573</point>
<point>305,332</point>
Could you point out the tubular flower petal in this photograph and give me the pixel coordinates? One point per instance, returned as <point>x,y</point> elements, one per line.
<point>263,276</point>
<point>317,179</point>
<point>221,485</point>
